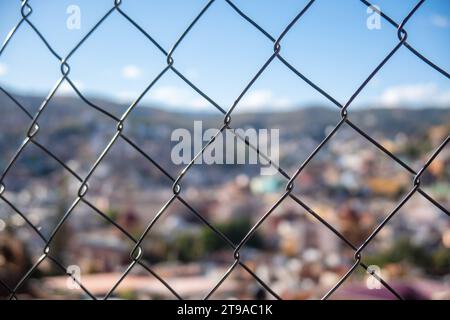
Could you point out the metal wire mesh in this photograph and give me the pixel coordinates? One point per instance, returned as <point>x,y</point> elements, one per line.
<point>137,252</point>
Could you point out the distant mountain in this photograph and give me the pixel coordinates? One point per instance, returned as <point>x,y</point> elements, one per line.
<point>310,121</point>
<point>77,133</point>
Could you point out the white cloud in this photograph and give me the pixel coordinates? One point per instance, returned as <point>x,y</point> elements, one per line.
<point>440,21</point>
<point>65,89</point>
<point>126,96</point>
<point>258,100</point>
<point>131,72</point>
<point>422,94</point>
<point>179,97</point>
<point>3,69</point>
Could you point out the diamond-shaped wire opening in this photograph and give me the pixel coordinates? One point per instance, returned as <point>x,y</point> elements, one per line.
<point>127,73</point>
<point>127,187</point>
<point>159,122</point>
<point>238,191</point>
<point>62,31</point>
<point>360,184</point>
<point>94,246</point>
<point>162,16</point>
<point>230,30</point>
<point>26,254</point>
<point>18,75</point>
<point>332,74</point>
<point>397,119</point>
<point>305,258</point>
<point>40,187</point>
<point>410,253</point>
<point>74,132</point>
<point>180,247</point>
<point>418,41</point>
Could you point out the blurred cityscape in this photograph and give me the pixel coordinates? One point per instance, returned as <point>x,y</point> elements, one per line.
<point>351,184</point>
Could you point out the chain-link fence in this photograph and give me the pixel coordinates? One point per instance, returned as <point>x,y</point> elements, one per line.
<point>277,54</point>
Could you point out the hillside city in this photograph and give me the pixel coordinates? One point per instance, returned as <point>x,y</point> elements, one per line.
<point>350,184</point>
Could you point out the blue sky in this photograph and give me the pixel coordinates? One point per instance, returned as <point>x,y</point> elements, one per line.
<point>330,44</point>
